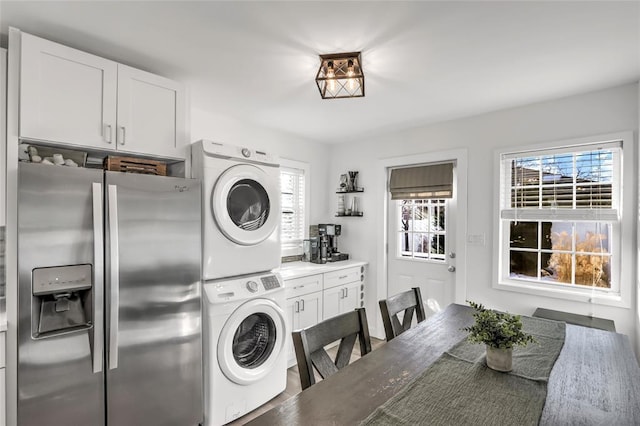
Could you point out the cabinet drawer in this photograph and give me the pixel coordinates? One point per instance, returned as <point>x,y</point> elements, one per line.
<point>343,276</point>
<point>3,347</point>
<point>304,285</point>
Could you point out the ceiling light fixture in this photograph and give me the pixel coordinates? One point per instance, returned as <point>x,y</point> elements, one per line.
<point>340,76</point>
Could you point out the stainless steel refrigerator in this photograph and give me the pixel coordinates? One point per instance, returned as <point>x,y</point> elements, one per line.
<point>109,315</point>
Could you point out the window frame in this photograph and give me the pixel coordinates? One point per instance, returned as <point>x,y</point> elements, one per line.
<point>294,248</point>
<point>621,249</point>
<point>429,258</point>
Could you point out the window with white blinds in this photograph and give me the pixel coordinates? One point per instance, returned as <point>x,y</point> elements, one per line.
<point>560,217</point>
<point>293,184</point>
<point>574,182</point>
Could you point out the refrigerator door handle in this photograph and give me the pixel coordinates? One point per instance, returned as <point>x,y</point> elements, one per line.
<point>114,281</point>
<point>98,280</point>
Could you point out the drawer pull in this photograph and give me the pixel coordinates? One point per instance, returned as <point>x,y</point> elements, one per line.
<point>343,277</point>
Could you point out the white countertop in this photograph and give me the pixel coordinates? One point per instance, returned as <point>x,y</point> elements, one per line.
<point>292,270</point>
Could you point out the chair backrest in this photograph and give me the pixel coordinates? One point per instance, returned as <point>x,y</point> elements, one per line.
<point>409,301</point>
<point>309,344</point>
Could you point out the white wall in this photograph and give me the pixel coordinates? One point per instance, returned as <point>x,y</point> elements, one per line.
<point>601,112</point>
<point>225,130</point>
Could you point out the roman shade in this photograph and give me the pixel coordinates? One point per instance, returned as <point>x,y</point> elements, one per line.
<point>433,181</point>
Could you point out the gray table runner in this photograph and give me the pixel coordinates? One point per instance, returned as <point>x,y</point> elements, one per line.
<point>459,389</point>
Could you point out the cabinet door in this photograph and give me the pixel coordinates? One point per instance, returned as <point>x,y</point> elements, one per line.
<point>292,324</point>
<point>150,114</point>
<point>332,300</point>
<point>351,298</point>
<point>66,95</point>
<point>310,310</point>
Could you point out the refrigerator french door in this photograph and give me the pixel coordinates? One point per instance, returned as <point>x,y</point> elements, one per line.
<point>109,315</point>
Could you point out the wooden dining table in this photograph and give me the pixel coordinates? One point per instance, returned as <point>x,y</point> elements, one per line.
<point>595,377</point>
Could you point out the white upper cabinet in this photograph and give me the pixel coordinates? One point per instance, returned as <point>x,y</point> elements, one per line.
<point>66,95</point>
<point>149,117</point>
<point>72,97</point>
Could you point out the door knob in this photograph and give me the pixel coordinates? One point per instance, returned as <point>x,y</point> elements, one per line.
<point>451,268</point>
<point>452,254</point>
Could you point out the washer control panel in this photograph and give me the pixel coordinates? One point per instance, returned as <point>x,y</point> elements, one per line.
<point>270,282</point>
<point>252,286</point>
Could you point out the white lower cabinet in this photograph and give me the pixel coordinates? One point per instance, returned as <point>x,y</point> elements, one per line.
<point>314,298</point>
<point>302,312</point>
<point>304,307</point>
<point>339,300</point>
<point>343,291</point>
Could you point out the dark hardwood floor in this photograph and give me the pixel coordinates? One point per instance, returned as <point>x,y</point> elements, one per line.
<point>293,384</point>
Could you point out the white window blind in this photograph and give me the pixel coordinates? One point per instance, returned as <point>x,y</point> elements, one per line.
<point>292,183</point>
<point>574,183</point>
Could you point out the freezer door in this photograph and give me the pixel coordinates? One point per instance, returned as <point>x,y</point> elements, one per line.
<point>154,347</point>
<point>60,230</point>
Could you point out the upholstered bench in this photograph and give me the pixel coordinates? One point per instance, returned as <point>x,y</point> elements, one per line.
<point>575,319</point>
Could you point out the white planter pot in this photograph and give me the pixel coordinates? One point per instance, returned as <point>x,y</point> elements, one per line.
<point>499,359</point>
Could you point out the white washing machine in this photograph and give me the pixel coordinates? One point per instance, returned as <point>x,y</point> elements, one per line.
<point>241,209</point>
<point>245,356</point>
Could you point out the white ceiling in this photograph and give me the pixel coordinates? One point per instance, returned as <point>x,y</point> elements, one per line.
<point>424,62</point>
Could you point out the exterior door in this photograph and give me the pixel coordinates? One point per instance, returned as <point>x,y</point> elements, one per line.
<point>154,346</point>
<point>421,251</point>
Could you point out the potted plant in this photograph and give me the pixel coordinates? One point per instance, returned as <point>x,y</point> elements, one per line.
<point>500,332</point>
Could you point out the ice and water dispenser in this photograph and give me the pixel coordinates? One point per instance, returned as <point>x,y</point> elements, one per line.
<point>62,299</point>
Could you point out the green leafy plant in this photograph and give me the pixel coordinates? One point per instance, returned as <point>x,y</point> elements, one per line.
<point>499,330</point>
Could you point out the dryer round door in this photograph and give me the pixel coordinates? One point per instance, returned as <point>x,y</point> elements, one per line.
<point>246,204</point>
<point>251,341</point>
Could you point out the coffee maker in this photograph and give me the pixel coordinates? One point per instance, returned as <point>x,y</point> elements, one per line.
<point>322,245</point>
<point>330,233</point>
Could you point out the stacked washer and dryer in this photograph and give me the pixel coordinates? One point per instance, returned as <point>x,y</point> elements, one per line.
<point>245,360</point>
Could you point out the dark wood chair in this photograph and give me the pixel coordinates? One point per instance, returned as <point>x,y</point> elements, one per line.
<point>409,301</point>
<point>309,344</point>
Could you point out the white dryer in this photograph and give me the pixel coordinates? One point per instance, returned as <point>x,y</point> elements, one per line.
<point>245,358</point>
<point>241,209</point>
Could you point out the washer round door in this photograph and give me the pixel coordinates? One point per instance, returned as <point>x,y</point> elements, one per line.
<point>251,341</point>
<point>246,204</point>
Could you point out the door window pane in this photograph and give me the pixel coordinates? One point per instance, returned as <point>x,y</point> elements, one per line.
<point>421,232</point>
